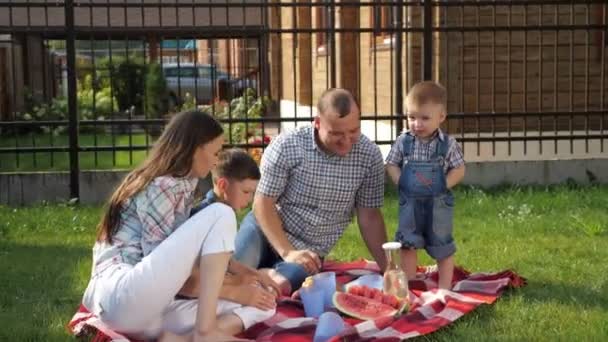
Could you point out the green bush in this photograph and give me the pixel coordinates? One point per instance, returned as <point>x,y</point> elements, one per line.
<point>95,104</point>
<point>114,87</point>
<point>246,106</point>
<point>92,104</point>
<point>127,79</point>
<point>156,104</point>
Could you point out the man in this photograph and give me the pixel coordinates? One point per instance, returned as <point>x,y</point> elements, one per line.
<point>313,179</point>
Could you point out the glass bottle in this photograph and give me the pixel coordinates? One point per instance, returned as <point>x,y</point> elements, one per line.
<point>395,280</point>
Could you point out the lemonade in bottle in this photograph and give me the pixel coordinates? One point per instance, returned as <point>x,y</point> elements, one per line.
<point>395,280</point>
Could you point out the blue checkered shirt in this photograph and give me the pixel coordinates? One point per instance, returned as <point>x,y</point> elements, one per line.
<point>316,192</point>
<point>424,150</point>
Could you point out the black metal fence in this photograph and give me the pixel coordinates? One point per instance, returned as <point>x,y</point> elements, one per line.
<point>89,84</point>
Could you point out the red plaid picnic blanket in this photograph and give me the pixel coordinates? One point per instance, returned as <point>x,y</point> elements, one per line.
<point>431,309</point>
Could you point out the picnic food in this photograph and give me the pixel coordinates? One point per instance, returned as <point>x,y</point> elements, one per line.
<point>308,282</point>
<point>377,295</point>
<point>360,307</point>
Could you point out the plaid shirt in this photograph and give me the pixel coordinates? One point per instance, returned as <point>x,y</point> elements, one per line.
<point>316,192</point>
<point>146,220</point>
<point>423,151</point>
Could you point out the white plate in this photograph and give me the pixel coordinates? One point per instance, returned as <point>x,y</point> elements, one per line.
<point>374,281</point>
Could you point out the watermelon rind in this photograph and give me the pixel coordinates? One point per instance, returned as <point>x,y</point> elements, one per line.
<point>361,307</point>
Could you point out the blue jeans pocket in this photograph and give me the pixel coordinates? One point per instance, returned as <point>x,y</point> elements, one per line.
<point>443,216</point>
<point>407,232</point>
<point>407,220</point>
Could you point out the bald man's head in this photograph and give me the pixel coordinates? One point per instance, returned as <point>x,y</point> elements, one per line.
<point>336,100</point>
<point>337,125</point>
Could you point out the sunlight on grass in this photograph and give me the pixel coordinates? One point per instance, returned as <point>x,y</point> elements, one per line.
<point>555,237</point>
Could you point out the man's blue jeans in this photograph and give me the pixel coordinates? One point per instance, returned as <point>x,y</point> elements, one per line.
<point>253,249</point>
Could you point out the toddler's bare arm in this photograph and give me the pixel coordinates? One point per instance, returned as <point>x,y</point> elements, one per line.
<point>394,172</point>
<point>454,176</point>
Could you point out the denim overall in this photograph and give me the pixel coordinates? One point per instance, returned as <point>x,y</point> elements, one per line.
<point>426,206</point>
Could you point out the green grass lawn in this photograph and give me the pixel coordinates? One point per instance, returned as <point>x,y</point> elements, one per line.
<point>555,237</point>
<point>59,161</point>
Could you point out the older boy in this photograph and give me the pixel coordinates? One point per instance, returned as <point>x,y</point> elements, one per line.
<point>235,179</point>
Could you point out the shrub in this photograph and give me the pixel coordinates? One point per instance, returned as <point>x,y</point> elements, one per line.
<point>127,77</point>
<point>247,106</point>
<point>93,104</point>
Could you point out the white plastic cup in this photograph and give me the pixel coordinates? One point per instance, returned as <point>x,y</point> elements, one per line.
<point>313,300</point>
<point>326,281</point>
<point>330,324</point>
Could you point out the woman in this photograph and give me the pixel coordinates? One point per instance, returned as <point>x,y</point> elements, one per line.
<point>147,246</point>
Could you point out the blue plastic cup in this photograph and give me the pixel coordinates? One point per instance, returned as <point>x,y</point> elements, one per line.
<point>326,281</point>
<point>313,300</point>
<point>330,324</point>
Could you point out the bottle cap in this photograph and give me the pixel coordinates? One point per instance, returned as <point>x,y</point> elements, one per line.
<point>391,245</point>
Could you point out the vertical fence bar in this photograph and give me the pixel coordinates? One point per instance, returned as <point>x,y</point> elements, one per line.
<point>391,67</point>
<point>398,25</point>
<point>571,72</point>
<point>147,62</point>
<point>325,35</point>
<point>525,81</point>
<point>314,52</point>
<point>264,65</point>
<point>540,80</point>
<point>374,8</point>
<point>604,16</point>
<point>446,61</point>
<point>332,41</point>
<point>92,45</point>
<point>493,81</point>
<point>131,96</point>
<point>428,40</point>
<point>462,107</point>
<point>588,46</point>
<point>294,65</point>
<point>46,69</point>
<point>477,84</point>
<point>28,80</point>
<point>555,70</point>
<point>14,81</point>
<point>509,23</point>
<point>197,74</point>
<point>72,110</point>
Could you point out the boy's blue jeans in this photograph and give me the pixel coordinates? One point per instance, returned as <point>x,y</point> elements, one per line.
<point>253,249</point>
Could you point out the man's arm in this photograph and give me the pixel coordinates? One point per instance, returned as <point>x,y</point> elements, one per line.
<point>373,231</point>
<point>455,176</point>
<point>265,211</point>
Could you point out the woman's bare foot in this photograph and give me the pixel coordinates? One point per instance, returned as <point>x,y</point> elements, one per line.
<point>216,336</point>
<point>171,337</point>
<point>278,278</point>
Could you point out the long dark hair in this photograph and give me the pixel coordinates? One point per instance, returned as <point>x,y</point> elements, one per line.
<point>171,155</point>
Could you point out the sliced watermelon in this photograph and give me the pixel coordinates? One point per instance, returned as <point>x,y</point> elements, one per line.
<point>391,300</point>
<point>361,307</point>
<point>378,296</point>
<point>367,292</point>
<point>356,290</point>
